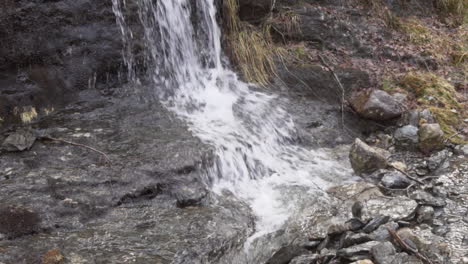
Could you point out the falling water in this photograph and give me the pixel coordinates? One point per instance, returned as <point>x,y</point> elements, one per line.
<point>250,130</point>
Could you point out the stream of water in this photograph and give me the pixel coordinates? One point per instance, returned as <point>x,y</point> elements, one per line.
<point>251,131</point>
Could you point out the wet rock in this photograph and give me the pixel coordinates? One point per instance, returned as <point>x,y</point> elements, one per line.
<point>19,141</point>
<point>383,253</point>
<point>395,180</point>
<point>375,223</point>
<point>357,252</point>
<point>305,259</point>
<point>382,234</point>
<point>431,137</point>
<point>53,256</point>
<point>367,159</point>
<point>425,214</point>
<point>311,245</point>
<point>406,137</point>
<point>377,105</point>
<point>350,225</point>
<point>18,220</point>
<point>425,198</point>
<point>350,239</point>
<point>359,191</point>
<point>286,254</point>
<point>397,208</point>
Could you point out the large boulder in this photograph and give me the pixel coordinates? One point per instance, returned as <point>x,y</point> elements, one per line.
<point>377,105</point>
<point>367,159</point>
<point>431,137</point>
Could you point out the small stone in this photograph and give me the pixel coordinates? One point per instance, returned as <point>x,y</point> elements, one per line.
<point>383,253</point>
<point>431,137</point>
<point>311,245</point>
<point>350,239</point>
<point>464,260</point>
<point>406,137</point>
<point>441,230</point>
<point>398,208</point>
<point>377,105</point>
<point>395,180</point>
<point>425,214</point>
<point>461,150</point>
<point>367,159</point>
<point>357,252</point>
<point>52,256</point>
<point>437,160</point>
<point>382,234</point>
<point>375,223</point>
<point>424,198</point>
<point>305,259</point>
<point>19,141</point>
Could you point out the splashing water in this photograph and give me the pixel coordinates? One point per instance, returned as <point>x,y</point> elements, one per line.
<point>250,130</point>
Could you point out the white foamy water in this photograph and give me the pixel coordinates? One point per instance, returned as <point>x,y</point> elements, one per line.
<point>250,130</point>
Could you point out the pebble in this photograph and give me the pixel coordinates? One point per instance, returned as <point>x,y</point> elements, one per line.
<point>425,214</point>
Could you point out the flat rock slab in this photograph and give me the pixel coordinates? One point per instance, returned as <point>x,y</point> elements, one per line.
<point>397,208</point>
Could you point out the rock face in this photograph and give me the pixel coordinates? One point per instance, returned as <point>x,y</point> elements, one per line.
<point>51,49</point>
<point>377,105</point>
<point>367,159</point>
<point>431,137</point>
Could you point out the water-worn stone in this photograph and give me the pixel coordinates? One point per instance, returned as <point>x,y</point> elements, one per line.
<point>395,180</point>
<point>383,252</point>
<point>406,137</point>
<point>425,198</point>
<point>305,259</point>
<point>19,141</point>
<point>396,207</point>
<point>357,252</point>
<point>367,159</point>
<point>375,223</point>
<point>461,150</point>
<point>382,234</point>
<point>377,105</point>
<point>350,239</point>
<point>431,137</point>
<point>425,214</point>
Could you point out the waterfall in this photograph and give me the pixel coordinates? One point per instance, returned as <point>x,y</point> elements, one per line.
<point>250,130</point>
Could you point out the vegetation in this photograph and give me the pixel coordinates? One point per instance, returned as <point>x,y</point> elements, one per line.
<point>250,49</point>
<point>441,98</point>
<point>455,8</point>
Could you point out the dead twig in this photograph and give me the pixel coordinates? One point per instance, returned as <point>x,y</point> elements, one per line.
<point>330,69</point>
<point>407,175</point>
<point>406,247</point>
<point>78,145</point>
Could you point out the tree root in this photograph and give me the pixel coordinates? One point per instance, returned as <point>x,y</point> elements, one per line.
<point>108,161</point>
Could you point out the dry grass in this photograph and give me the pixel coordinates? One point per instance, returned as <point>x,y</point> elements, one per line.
<point>250,49</point>
<point>27,114</point>
<point>441,98</point>
<point>458,9</point>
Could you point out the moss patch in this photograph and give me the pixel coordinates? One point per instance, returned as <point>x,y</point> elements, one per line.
<point>441,98</point>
